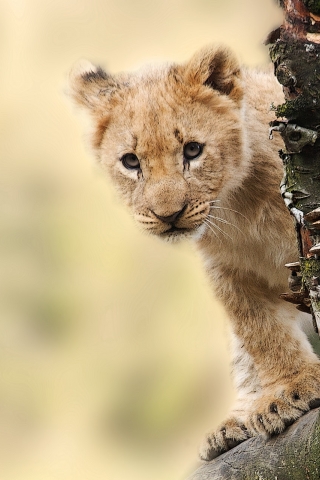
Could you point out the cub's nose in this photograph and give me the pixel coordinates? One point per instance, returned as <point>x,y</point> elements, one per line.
<point>171,218</point>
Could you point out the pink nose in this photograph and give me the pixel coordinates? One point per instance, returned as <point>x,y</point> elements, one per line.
<point>171,218</point>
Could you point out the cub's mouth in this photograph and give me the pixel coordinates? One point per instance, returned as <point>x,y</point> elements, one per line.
<point>189,221</point>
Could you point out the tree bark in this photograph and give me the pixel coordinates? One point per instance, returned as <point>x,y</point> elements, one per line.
<point>292,455</point>
<point>295,52</point>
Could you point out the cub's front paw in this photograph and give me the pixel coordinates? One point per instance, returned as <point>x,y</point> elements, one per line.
<point>273,413</point>
<point>227,436</point>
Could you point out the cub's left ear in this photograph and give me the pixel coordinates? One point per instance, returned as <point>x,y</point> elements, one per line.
<point>218,68</point>
<point>90,86</point>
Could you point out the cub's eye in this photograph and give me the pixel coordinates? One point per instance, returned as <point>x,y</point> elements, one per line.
<point>130,161</point>
<point>192,150</point>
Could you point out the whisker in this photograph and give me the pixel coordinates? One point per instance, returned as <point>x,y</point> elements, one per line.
<point>230,210</point>
<point>212,230</point>
<point>222,220</point>
<point>218,228</point>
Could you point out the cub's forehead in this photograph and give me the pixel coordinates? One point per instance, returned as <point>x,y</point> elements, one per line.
<point>153,85</point>
<point>157,95</point>
<point>159,99</point>
<point>157,109</point>
<point>148,96</point>
<point>150,114</point>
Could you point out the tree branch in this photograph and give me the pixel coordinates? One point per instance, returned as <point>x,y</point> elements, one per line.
<point>292,455</point>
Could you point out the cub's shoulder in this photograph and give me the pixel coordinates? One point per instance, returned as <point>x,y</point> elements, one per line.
<point>262,89</point>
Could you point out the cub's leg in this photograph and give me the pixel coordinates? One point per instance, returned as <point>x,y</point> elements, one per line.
<point>276,373</point>
<point>234,429</point>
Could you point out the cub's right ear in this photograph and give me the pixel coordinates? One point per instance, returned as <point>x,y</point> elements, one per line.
<point>217,68</point>
<point>90,86</point>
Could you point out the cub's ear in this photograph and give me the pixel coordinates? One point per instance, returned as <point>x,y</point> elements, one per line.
<point>218,68</point>
<point>90,86</point>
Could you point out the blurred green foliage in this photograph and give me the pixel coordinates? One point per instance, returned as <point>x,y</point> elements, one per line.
<point>113,351</point>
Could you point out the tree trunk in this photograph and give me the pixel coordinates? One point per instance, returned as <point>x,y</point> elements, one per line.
<point>295,52</point>
<point>292,455</point>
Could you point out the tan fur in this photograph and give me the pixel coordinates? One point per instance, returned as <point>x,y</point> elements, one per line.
<point>229,203</point>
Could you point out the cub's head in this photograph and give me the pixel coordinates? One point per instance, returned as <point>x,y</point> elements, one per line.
<point>170,137</point>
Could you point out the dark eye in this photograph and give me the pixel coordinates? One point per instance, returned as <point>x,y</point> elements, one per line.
<point>130,161</point>
<point>192,150</point>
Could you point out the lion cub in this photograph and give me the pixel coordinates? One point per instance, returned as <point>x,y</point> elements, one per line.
<point>187,147</point>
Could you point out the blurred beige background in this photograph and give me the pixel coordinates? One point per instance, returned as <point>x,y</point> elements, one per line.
<point>113,352</point>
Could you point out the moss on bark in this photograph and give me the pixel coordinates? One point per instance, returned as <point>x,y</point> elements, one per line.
<point>313,6</point>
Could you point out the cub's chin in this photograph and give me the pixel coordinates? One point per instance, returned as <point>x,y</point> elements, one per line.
<point>175,234</point>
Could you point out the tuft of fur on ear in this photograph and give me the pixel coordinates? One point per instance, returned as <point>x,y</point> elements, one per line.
<point>92,88</point>
<point>89,85</point>
<point>218,68</point>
